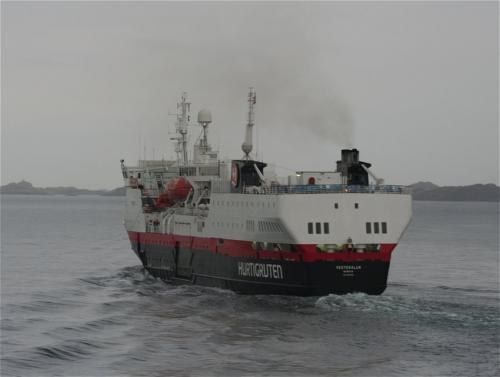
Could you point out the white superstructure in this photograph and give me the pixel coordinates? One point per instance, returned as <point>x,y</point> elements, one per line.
<point>208,201</point>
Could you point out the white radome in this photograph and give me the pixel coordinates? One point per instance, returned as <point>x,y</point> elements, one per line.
<point>204,116</point>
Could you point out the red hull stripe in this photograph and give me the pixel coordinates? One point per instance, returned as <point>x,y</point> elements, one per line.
<point>236,248</point>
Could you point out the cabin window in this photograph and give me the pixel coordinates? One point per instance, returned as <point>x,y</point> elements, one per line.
<point>368,228</point>
<point>356,205</point>
<point>384,227</point>
<point>326,228</point>
<point>336,205</point>
<point>318,228</point>
<point>376,228</point>
<point>310,228</point>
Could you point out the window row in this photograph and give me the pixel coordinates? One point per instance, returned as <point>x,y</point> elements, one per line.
<point>315,228</point>
<point>242,204</point>
<point>262,226</point>
<point>376,227</point>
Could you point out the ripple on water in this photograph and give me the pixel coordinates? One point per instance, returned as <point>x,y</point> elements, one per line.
<point>425,309</point>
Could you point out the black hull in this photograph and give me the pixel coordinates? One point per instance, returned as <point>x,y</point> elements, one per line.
<point>263,276</point>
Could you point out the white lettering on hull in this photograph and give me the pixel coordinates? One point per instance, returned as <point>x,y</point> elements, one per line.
<point>260,270</point>
<point>348,269</point>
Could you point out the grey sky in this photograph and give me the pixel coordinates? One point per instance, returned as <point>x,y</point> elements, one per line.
<point>414,86</point>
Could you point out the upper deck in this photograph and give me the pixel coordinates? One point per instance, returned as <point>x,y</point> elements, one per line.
<point>315,189</point>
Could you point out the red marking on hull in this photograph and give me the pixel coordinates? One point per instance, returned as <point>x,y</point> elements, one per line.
<point>237,248</point>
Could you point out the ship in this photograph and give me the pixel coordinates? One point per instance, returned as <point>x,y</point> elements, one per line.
<point>227,224</point>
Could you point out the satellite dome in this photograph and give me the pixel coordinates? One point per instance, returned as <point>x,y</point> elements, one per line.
<point>204,116</point>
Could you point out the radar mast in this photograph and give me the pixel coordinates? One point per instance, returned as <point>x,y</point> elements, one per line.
<point>247,146</point>
<point>181,127</point>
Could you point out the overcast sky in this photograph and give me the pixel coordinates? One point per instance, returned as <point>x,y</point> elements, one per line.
<point>414,86</point>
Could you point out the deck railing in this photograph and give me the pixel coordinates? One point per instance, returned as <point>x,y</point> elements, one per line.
<point>224,186</point>
<point>323,189</point>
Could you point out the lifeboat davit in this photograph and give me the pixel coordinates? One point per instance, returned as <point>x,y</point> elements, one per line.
<point>177,190</point>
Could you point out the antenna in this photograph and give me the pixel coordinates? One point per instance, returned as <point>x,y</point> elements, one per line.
<point>247,146</point>
<point>181,126</point>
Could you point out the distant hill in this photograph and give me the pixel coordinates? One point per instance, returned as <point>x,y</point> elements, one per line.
<point>420,187</point>
<point>473,193</point>
<point>120,191</point>
<point>26,188</point>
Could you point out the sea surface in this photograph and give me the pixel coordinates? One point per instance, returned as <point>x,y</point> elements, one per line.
<point>76,302</point>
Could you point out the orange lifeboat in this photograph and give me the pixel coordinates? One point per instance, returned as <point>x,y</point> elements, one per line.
<point>177,190</point>
<point>164,200</point>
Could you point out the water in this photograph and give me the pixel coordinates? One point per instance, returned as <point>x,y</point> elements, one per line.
<point>75,302</point>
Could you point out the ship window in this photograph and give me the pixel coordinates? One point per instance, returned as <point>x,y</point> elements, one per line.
<point>318,228</point>
<point>384,227</point>
<point>336,205</point>
<point>356,205</point>
<point>375,228</point>
<point>368,228</point>
<point>326,228</point>
<point>310,228</point>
